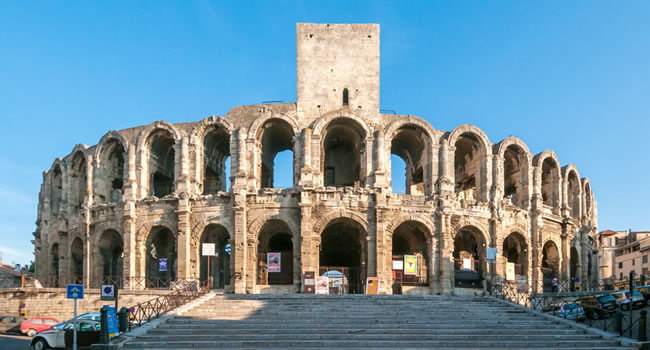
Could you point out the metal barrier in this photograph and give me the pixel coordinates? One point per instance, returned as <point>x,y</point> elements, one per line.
<point>121,282</point>
<point>151,309</point>
<point>563,304</point>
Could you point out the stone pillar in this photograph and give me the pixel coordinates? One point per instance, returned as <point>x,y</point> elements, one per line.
<point>183,180</point>
<point>308,251</point>
<point>565,259</point>
<point>382,245</point>
<point>131,274</point>
<point>184,236</point>
<point>446,253</point>
<point>371,236</point>
<point>306,176</point>
<point>381,171</point>
<point>239,250</point>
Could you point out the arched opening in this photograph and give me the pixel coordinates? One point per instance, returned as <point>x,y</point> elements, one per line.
<point>344,148</point>
<point>53,272</point>
<point>276,137</point>
<point>467,167</point>
<point>56,190</point>
<point>77,261</point>
<point>275,254</point>
<point>346,97</point>
<point>161,163</point>
<point>216,159</point>
<point>110,174</point>
<point>161,258</point>
<point>110,257</point>
<point>469,258</point>
<point>575,268</point>
<point>78,180</point>
<point>550,264</point>
<point>588,208</point>
<point>411,253</point>
<point>410,144</point>
<point>220,262</point>
<point>514,177</point>
<point>550,181</point>
<point>515,251</point>
<point>342,257</point>
<point>573,195</point>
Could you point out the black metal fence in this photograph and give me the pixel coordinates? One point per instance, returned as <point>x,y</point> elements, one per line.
<point>568,305</point>
<point>119,281</point>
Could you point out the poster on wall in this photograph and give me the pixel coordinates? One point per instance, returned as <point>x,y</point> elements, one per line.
<point>273,261</point>
<point>410,264</point>
<point>398,264</point>
<point>510,271</point>
<point>208,249</point>
<point>467,264</point>
<point>322,285</point>
<point>372,285</point>
<point>162,264</point>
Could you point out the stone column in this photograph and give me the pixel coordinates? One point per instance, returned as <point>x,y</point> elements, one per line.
<point>308,251</point>
<point>381,171</point>
<point>239,250</point>
<point>565,259</point>
<point>184,236</point>
<point>446,253</point>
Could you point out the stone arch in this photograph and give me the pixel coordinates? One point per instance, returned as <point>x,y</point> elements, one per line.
<point>142,237</point>
<point>551,261</point>
<point>405,141</point>
<point>548,178</point>
<point>469,150</point>
<point>423,219</point>
<point>515,248</point>
<point>272,137</point>
<point>76,262</point>
<point>166,139</point>
<point>54,255</point>
<point>324,220</point>
<point>111,159</point>
<point>458,222</point>
<point>220,266</point>
<point>200,225</point>
<point>411,235</point>
<point>572,190</point>
<point>588,198</point>
<point>214,153</point>
<point>254,128</point>
<point>108,248</point>
<point>469,245</point>
<point>513,177</point>
<point>55,187</point>
<point>77,180</point>
<point>143,136</point>
<point>320,124</point>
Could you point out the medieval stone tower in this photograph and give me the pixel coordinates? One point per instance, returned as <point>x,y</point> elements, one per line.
<point>137,207</point>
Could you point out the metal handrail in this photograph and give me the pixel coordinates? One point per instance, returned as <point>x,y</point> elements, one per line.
<point>154,308</point>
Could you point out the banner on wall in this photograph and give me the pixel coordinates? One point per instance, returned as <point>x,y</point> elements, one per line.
<point>510,271</point>
<point>322,285</point>
<point>410,264</point>
<point>467,264</point>
<point>273,261</point>
<point>162,264</point>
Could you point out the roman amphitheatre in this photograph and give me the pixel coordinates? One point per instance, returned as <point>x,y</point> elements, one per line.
<point>151,195</point>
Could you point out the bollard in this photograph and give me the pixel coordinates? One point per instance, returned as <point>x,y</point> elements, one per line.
<point>103,334</point>
<point>123,319</point>
<point>618,321</point>
<point>642,326</point>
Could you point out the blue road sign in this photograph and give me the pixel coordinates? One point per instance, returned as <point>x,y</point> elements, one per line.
<point>75,291</point>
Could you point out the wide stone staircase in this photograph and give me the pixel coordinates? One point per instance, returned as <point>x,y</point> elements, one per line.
<point>363,322</point>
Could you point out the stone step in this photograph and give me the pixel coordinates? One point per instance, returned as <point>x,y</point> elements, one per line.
<point>361,336</point>
<point>194,324</point>
<point>182,331</point>
<point>376,320</point>
<point>375,344</point>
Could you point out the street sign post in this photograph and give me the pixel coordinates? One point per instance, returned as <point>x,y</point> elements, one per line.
<point>75,291</point>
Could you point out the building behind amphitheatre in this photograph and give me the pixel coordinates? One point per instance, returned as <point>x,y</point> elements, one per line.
<point>137,207</point>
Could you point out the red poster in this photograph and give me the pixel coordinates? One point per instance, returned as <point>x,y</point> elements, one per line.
<point>273,262</point>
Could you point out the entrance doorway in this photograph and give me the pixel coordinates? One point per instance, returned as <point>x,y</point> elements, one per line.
<point>343,253</point>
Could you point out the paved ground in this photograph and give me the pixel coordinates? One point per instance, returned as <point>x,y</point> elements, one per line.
<point>14,342</point>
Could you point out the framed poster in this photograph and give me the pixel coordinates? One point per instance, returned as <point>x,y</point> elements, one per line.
<point>273,261</point>
<point>467,264</point>
<point>398,264</point>
<point>410,264</point>
<point>322,285</point>
<point>162,264</point>
<point>208,249</point>
<point>510,271</point>
<point>372,285</point>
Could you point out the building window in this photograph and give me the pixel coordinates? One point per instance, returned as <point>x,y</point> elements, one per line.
<point>645,259</point>
<point>632,262</point>
<point>621,276</point>
<point>620,265</point>
<point>345,97</point>
<point>644,270</point>
<point>610,241</point>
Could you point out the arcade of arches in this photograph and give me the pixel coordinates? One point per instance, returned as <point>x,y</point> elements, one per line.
<point>327,184</point>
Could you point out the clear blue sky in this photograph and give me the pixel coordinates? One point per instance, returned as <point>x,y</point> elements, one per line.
<point>569,76</point>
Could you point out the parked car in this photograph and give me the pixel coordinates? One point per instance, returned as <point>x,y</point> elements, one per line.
<point>645,291</point>
<point>11,324</point>
<point>87,333</point>
<point>36,325</point>
<point>95,316</point>
<point>624,300</point>
<point>570,311</point>
<point>597,306</point>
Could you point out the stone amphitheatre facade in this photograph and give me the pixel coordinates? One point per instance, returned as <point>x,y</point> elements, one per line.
<point>113,211</point>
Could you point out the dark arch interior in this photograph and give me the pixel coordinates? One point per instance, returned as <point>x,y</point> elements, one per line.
<point>112,170</point>
<point>219,264</point>
<point>550,264</point>
<point>343,146</point>
<point>78,180</point>
<point>161,244</point>
<point>277,137</point>
<point>54,262</point>
<point>77,260</point>
<point>573,192</point>
<point>110,259</point>
<point>346,97</point>
<point>516,252</point>
<point>549,182</point>
<point>56,190</point>
<point>216,154</point>
<point>409,238</point>
<point>469,257</point>
<point>343,250</point>
<point>161,163</point>
<point>275,237</point>
<point>410,145</point>
<point>513,158</point>
<point>467,166</point>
